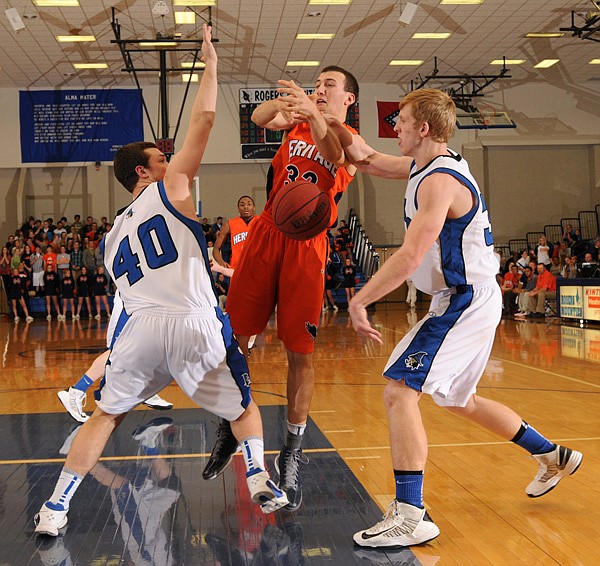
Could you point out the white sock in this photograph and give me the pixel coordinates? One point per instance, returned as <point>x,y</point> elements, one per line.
<point>253,450</point>
<point>65,488</point>
<point>297,429</point>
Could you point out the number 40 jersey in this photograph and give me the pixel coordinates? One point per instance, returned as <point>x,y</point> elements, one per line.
<point>157,256</point>
<point>463,254</point>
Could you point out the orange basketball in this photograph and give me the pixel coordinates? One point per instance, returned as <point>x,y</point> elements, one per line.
<point>301,210</point>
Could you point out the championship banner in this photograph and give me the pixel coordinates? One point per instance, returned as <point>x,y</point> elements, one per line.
<point>78,125</point>
<point>387,115</point>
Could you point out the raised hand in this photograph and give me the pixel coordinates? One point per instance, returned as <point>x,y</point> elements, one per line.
<point>208,49</point>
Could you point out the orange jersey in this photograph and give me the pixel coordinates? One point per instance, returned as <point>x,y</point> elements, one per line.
<point>238,230</point>
<point>298,158</point>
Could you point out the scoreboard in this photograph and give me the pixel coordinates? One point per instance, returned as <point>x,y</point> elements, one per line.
<point>260,143</point>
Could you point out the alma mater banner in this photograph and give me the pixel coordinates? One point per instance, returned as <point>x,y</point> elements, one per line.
<point>78,125</point>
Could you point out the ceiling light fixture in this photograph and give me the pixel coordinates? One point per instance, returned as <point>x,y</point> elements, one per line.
<point>315,36</point>
<point>303,63</point>
<point>14,19</point>
<point>332,2</point>
<point>507,62</point>
<point>546,63</point>
<point>158,44</point>
<point>594,62</point>
<point>55,3</point>
<point>90,65</point>
<point>444,35</point>
<point>535,35</point>
<point>403,62</point>
<point>75,38</point>
<point>187,17</point>
<point>190,65</point>
<point>189,77</point>
<point>458,2</point>
<point>194,2</point>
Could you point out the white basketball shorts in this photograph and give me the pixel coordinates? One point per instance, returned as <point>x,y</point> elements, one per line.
<point>153,347</point>
<point>446,352</point>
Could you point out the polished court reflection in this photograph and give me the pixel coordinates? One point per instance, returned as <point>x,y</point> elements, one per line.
<point>139,508</point>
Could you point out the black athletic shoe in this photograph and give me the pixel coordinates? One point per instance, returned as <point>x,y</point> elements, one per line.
<point>222,453</point>
<point>287,464</point>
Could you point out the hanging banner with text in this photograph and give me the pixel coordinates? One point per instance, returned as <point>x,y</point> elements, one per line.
<point>78,125</point>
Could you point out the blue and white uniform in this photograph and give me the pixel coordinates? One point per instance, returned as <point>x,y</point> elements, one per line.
<point>445,354</point>
<point>170,326</point>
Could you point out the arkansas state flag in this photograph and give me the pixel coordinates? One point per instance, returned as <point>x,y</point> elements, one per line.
<point>387,114</point>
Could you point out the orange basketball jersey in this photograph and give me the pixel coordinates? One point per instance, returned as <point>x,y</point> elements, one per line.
<point>298,158</point>
<point>238,230</point>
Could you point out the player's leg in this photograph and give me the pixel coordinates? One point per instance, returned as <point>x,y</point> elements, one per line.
<point>48,308</point>
<point>85,451</point>
<point>301,283</point>
<point>554,462</point>
<point>74,398</point>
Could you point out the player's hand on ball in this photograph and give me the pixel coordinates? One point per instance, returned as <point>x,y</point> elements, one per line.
<point>360,322</point>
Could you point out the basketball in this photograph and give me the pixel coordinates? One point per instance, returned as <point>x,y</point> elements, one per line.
<point>301,210</point>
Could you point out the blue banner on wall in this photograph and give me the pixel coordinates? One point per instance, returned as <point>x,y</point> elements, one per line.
<point>78,125</point>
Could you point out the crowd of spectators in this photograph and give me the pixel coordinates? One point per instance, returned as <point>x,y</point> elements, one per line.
<point>61,262</point>
<point>528,279</point>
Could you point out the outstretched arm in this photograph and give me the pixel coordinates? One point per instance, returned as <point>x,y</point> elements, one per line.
<point>219,244</point>
<point>365,158</point>
<point>184,165</point>
<point>274,115</point>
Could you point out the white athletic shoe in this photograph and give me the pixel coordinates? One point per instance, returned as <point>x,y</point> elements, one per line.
<point>402,525</point>
<point>49,317</point>
<point>52,552</point>
<point>74,401</point>
<point>28,319</point>
<point>48,521</point>
<point>157,402</point>
<point>264,492</point>
<point>98,317</point>
<point>76,317</point>
<point>554,466</point>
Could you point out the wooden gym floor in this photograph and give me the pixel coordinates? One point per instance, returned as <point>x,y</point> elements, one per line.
<point>142,510</point>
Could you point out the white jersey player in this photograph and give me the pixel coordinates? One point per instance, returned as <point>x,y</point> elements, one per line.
<point>171,327</point>
<point>447,252</point>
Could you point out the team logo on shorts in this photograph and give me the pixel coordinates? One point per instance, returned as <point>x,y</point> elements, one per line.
<point>246,378</point>
<point>415,361</point>
<point>311,329</point>
<point>130,213</point>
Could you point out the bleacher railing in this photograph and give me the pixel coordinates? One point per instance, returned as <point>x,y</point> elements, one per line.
<point>363,252</point>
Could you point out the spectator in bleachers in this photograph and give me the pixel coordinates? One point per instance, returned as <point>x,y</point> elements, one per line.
<point>594,248</point>
<point>77,223</point>
<point>84,292</point>
<point>545,289</point>
<point>5,270</point>
<point>67,293</point>
<point>569,235</point>
<point>37,270</point>
<point>15,256</point>
<point>556,268</point>
<point>543,252</point>
<point>333,279</point>
<point>349,273</point>
<point>93,235</point>
<point>525,290</point>
<point>99,284</point>
<point>76,259</point>
<point>46,231</point>
<point>17,296</point>
<point>216,227</point>
<point>523,261</point>
<point>60,229</point>
<point>63,262</point>
<point>222,287</point>
<point>88,257</point>
<point>510,282</point>
<point>571,269</point>
<point>104,226</point>
<point>51,291</point>
<point>49,259</point>
<point>87,226</point>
